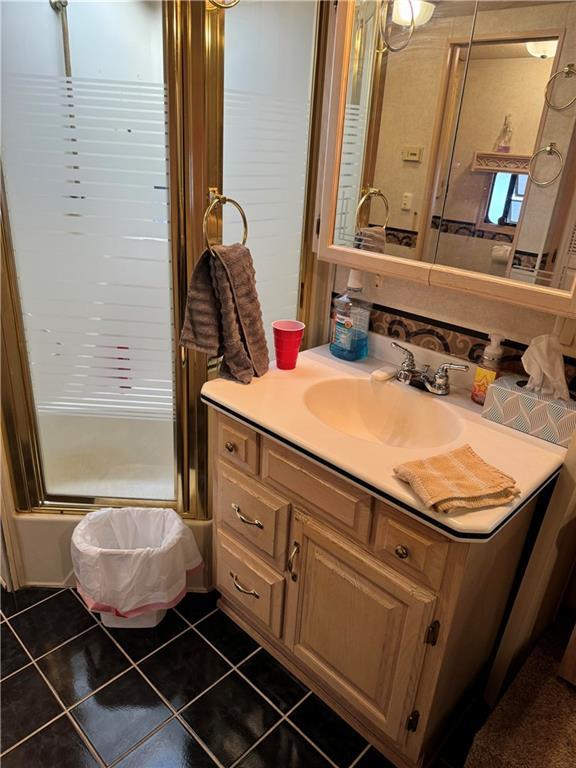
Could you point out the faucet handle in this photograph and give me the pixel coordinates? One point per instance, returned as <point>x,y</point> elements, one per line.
<point>408,363</point>
<point>445,367</point>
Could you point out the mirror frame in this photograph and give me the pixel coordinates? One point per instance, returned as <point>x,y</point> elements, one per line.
<point>541,298</point>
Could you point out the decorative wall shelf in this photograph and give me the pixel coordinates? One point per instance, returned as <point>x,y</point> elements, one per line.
<point>492,162</point>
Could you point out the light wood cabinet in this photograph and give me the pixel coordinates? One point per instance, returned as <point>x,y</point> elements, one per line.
<point>386,618</point>
<point>358,624</point>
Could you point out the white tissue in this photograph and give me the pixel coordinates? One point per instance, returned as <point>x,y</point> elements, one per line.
<point>544,364</point>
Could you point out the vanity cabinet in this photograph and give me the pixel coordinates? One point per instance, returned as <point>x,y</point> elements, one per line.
<point>385,617</point>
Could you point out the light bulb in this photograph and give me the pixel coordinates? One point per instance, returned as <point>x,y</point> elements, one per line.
<point>542,49</point>
<point>402,15</point>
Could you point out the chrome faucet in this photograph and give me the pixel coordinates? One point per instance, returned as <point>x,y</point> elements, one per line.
<point>437,384</point>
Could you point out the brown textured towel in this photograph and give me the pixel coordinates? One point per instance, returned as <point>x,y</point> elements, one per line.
<point>371,239</point>
<point>458,480</point>
<point>223,315</point>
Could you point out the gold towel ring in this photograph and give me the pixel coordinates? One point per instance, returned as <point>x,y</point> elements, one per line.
<point>568,71</point>
<point>222,200</point>
<point>373,192</point>
<point>220,4</point>
<point>549,149</point>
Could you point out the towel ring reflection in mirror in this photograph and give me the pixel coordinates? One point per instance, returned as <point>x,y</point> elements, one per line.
<point>382,18</point>
<point>222,200</point>
<point>549,149</point>
<point>373,192</point>
<point>568,71</point>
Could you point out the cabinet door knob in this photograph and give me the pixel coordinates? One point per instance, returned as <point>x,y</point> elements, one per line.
<point>244,519</point>
<point>230,447</point>
<point>401,551</point>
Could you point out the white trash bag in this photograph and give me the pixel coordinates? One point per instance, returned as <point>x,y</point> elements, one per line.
<point>131,563</point>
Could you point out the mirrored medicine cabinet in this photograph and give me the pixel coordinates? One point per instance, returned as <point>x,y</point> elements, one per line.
<point>451,149</point>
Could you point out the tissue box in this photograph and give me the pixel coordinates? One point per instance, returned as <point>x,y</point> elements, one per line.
<point>538,415</point>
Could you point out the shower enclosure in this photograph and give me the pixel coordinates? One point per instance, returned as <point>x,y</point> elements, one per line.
<point>119,120</point>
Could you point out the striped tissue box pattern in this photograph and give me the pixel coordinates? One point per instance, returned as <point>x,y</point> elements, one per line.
<point>537,415</point>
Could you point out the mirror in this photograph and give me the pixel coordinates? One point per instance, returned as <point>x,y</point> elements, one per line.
<point>509,184</point>
<point>458,136</point>
<point>403,77</point>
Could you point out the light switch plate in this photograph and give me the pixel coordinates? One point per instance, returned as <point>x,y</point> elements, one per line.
<point>412,153</point>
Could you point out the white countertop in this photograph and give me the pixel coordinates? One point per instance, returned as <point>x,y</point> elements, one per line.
<point>275,403</point>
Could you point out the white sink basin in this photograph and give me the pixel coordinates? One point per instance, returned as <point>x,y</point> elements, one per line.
<point>389,413</point>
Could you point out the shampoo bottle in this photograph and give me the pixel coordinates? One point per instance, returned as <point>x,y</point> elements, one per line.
<point>350,320</point>
<point>488,368</point>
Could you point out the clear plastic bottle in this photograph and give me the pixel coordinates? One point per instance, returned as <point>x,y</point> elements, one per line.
<point>350,320</point>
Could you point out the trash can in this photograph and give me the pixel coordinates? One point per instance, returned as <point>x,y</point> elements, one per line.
<point>131,563</point>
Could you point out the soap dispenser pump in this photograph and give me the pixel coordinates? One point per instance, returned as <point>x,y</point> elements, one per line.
<point>488,368</point>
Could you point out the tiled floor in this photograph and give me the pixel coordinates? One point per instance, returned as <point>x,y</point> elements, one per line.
<point>195,692</point>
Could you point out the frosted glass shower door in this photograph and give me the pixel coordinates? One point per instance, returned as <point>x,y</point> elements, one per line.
<point>268,70</point>
<point>85,164</point>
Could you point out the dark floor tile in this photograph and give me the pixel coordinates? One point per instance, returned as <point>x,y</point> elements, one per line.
<point>27,703</point>
<point>140,642</point>
<point>275,682</point>
<point>56,746</point>
<point>170,747</point>
<point>227,636</point>
<point>284,747</point>
<point>195,605</point>
<point>459,740</point>
<point>13,602</point>
<point>184,668</point>
<point>50,623</point>
<point>335,738</point>
<point>373,759</point>
<point>230,718</point>
<point>13,655</point>
<point>121,714</point>
<point>82,665</point>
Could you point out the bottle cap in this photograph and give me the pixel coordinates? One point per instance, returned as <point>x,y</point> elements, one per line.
<point>355,279</point>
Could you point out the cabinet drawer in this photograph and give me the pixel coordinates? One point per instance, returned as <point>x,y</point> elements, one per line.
<point>238,444</point>
<point>318,490</point>
<point>249,582</point>
<point>253,512</point>
<point>410,547</point>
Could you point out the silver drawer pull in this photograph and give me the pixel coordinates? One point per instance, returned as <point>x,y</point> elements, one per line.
<point>240,588</point>
<point>246,520</point>
<point>402,552</point>
<point>290,564</point>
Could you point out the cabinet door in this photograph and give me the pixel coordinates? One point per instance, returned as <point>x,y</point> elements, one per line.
<point>357,624</point>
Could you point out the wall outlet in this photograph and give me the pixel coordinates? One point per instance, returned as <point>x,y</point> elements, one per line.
<point>407,198</point>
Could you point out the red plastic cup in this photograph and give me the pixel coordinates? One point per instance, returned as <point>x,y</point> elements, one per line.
<point>287,339</point>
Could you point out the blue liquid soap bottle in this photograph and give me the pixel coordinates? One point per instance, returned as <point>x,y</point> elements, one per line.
<point>350,319</point>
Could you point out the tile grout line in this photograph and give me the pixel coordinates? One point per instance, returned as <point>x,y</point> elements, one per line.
<point>65,713</point>
<point>284,718</point>
<point>360,756</point>
<point>44,599</point>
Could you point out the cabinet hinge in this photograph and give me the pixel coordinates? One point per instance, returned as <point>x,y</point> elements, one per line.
<point>318,226</point>
<point>412,722</point>
<point>431,637</point>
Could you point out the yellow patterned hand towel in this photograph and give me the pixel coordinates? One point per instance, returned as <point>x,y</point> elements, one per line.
<point>458,480</point>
